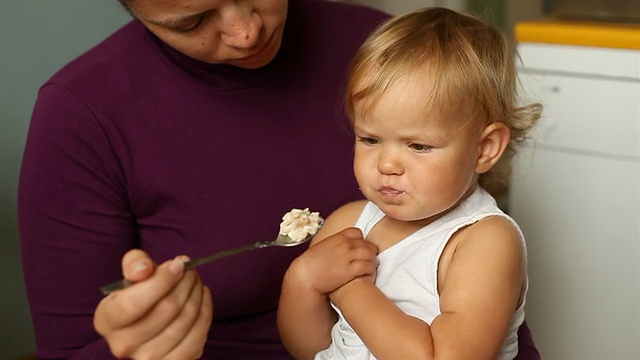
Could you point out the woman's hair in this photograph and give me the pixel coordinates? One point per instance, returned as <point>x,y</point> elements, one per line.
<point>125,5</point>
<point>468,64</point>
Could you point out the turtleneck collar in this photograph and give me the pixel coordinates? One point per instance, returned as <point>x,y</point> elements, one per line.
<point>228,77</point>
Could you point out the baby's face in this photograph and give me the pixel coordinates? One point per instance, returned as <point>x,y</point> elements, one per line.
<point>412,162</point>
<point>243,33</point>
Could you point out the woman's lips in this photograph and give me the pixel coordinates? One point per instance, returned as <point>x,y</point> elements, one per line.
<point>255,55</point>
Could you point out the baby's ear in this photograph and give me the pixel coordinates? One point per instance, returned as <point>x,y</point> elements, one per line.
<point>493,142</point>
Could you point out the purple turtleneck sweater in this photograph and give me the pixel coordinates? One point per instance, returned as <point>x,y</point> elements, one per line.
<point>136,145</point>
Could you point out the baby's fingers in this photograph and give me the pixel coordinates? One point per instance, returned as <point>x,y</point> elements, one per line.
<point>362,267</point>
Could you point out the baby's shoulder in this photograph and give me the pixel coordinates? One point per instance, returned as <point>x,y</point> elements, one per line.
<point>343,217</point>
<point>346,215</point>
<point>490,233</point>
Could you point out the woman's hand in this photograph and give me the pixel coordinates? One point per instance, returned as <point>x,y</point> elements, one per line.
<point>166,314</point>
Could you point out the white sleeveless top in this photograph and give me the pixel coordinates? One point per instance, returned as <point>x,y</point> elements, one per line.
<point>407,274</point>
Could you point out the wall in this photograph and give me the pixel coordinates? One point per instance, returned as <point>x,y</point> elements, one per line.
<point>37,37</point>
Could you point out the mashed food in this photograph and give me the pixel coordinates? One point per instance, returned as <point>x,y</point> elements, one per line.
<point>298,224</point>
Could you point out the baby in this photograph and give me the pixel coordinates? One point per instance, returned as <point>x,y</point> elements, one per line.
<point>428,265</point>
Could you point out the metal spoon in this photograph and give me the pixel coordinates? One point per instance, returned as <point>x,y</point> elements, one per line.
<point>281,240</point>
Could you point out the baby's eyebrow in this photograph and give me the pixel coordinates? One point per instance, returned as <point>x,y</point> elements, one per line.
<point>360,129</point>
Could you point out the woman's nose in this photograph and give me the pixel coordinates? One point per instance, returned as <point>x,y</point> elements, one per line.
<point>240,27</point>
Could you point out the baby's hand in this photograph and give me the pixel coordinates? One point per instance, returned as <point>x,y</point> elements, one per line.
<point>336,260</point>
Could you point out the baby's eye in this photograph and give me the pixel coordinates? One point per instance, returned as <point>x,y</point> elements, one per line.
<point>420,147</point>
<point>368,140</point>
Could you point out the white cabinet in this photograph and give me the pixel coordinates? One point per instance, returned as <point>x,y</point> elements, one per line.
<point>576,193</point>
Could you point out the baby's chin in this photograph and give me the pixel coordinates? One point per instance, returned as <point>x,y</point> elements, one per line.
<point>410,212</point>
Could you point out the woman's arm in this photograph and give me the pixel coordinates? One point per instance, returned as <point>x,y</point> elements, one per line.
<point>74,221</point>
<point>75,224</point>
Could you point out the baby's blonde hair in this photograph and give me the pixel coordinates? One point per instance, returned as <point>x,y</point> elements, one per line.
<point>466,61</point>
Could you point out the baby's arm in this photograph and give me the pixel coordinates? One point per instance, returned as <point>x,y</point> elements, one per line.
<point>480,287</point>
<point>305,317</point>
<point>480,290</point>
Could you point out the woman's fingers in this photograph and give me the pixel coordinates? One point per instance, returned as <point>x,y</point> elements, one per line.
<point>179,326</point>
<point>157,318</point>
<point>193,344</point>
<point>124,307</point>
<point>137,265</point>
<point>186,337</point>
<point>168,311</point>
<point>183,315</point>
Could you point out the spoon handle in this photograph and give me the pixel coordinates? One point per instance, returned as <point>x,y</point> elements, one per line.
<point>224,253</point>
<point>123,283</point>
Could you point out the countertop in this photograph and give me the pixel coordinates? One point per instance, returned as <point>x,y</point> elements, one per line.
<point>584,33</point>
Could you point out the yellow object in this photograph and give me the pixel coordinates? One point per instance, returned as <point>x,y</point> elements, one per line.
<point>612,35</point>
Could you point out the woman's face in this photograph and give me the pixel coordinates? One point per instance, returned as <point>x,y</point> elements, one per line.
<point>243,33</point>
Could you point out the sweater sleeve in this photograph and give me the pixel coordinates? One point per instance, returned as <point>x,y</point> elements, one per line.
<point>74,223</point>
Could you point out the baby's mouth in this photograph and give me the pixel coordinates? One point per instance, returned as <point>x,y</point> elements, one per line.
<point>388,191</point>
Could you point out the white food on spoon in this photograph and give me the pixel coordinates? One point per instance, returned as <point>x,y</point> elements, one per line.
<point>297,224</point>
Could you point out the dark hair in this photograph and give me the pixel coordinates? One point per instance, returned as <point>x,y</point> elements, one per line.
<point>125,5</point>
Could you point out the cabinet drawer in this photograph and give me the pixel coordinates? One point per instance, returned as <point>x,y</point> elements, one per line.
<point>600,115</point>
<point>580,60</point>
